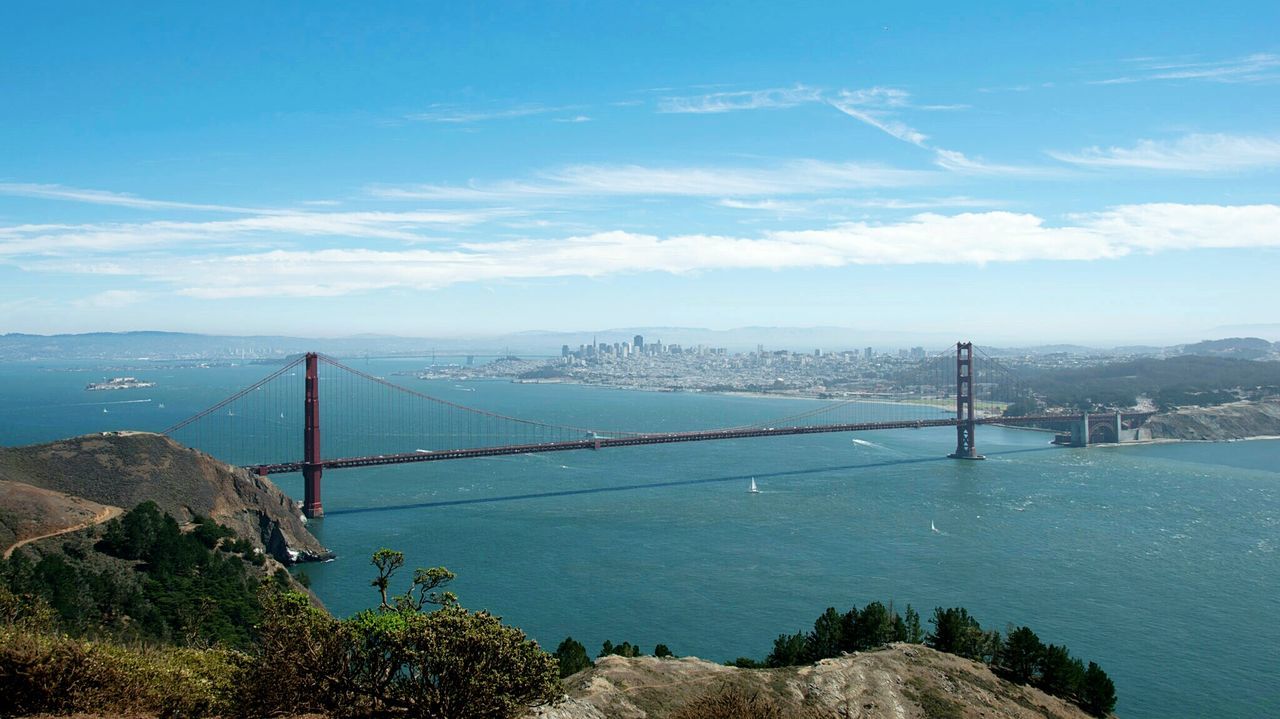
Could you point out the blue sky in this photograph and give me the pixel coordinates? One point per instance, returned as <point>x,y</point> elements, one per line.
<point>1084,172</point>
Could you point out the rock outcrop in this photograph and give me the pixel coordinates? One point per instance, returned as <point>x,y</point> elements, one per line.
<point>123,469</point>
<point>901,681</point>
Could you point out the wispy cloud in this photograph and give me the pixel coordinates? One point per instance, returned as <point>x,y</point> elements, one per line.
<point>962,164</point>
<point>64,240</point>
<point>1200,153</point>
<point>828,204</point>
<point>575,118</point>
<point>717,102</point>
<point>1258,67</point>
<point>103,197</point>
<point>970,238</point>
<point>456,114</point>
<point>877,107</point>
<point>790,178</point>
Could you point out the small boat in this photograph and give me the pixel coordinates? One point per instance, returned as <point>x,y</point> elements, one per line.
<point>753,489</point>
<point>933,528</point>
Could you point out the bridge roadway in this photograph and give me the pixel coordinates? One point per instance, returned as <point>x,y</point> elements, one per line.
<point>672,437</point>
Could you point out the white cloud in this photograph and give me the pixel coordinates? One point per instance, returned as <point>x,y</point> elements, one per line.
<point>971,238</point>
<point>794,177</point>
<point>112,299</point>
<point>1258,67</point>
<point>1209,153</point>
<point>718,102</point>
<point>574,119</point>
<point>827,204</point>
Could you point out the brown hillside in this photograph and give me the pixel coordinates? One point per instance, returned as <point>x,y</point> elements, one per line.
<point>123,469</point>
<point>1237,420</point>
<point>28,513</point>
<point>902,681</point>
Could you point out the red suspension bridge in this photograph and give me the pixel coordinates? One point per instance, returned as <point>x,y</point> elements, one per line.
<point>370,421</point>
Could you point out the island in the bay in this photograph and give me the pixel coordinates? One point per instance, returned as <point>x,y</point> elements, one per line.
<point>118,383</point>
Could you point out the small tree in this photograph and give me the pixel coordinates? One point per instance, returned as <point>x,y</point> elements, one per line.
<point>661,651</point>
<point>1021,654</point>
<point>572,657</point>
<point>874,627</point>
<point>825,639</point>
<point>915,634</point>
<point>387,561</point>
<point>1060,675</point>
<point>788,650</point>
<point>1097,692</point>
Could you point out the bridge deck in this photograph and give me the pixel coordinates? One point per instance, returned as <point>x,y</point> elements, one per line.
<point>669,438</point>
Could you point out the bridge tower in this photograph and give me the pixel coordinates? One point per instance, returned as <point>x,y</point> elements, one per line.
<point>966,422</point>
<point>312,469</point>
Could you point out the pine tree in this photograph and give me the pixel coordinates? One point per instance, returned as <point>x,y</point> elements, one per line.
<point>1021,654</point>
<point>1097,692</point>
<point>572,657</point>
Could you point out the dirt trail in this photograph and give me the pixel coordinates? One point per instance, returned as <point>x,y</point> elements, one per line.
<point>105,515</point>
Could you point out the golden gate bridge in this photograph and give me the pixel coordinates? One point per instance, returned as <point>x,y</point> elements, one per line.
<point>370,421</point>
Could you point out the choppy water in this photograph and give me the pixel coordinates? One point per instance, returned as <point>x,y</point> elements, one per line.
<point>1158,562</point>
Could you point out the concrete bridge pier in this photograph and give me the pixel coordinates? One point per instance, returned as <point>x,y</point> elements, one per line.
<point>1080,432</point>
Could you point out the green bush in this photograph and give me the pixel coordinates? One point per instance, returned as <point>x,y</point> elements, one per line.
<point>399,659</point>
<point>56,674</point>
<point>572,657</point>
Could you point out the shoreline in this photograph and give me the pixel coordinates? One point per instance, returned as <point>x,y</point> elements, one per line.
<point>814,398</point>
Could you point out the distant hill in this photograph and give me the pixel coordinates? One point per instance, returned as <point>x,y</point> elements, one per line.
<point>1247,348</point>
<point>1183,380</point>
<point>125,469</point>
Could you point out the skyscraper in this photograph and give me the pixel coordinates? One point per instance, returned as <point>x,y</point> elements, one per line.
<point>638,342</point>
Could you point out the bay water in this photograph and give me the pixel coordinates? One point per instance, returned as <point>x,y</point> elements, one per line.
<point>1159,561</point>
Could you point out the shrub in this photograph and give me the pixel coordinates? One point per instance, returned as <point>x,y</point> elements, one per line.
<point>54,674</point>
<point>300,663</point>
<point>452,663</point>
<point>397,659</point>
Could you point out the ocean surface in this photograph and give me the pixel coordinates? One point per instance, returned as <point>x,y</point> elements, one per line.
<point>1159,562</point>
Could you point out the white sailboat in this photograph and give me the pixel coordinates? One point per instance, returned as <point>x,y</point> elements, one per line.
<point>933,528</point>
<point>753,489</point>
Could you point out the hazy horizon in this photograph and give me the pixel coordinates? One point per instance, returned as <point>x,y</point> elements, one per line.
<point>795,338</point>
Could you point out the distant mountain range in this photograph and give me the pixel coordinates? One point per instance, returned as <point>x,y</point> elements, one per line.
<point>187,346</point>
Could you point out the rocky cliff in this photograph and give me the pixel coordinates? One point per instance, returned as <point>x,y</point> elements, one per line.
<point>1229,421</point>
<point>123,469</point>
<point>902,681</point>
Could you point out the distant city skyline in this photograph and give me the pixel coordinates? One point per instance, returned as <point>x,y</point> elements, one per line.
<point>1015,174</point>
